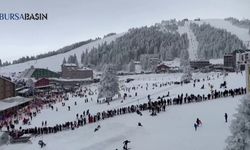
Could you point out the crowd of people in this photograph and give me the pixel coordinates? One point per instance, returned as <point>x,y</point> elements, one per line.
<point>153,106</point>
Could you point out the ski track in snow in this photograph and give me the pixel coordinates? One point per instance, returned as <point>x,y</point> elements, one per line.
<point>241,33</point>
<point>193,43</point>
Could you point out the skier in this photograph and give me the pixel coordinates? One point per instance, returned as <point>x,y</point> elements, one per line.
<point>149,97</point>
<point>125,146</point>
<point>139,124</point>
<point>41,143</point>
<point>138,112</point>
<point>195,126</point>
<point>226,116</point>
<point>198,122</point>
<point>97,128</point>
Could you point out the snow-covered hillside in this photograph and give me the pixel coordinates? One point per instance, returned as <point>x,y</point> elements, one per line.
<point>193,43</point>
<point>242,33</point>
<point>54,62</point>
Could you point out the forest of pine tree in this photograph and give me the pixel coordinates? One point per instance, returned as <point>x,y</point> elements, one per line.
<point>244,23</point>
<point>213,42</point>
<point>136,42</point>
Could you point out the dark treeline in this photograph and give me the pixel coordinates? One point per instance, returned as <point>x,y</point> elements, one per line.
<point>48,54</point>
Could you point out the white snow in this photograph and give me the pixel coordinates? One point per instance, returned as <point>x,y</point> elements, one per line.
<point>54,62</point>
<point>216,61</point>
<point>12,102</point>
<point>172,129</point>
<point>242,33</point>
<point>193,43</point>
<point>174,63</point>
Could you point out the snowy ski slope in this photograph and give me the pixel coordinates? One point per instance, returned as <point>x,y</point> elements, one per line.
<point>193,43</point>
<point>242,33</point>
<point>54,62</point>
<point>172,129</point>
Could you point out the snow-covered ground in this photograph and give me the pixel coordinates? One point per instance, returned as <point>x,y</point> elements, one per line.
<point>54,62</point>
<point>172,129</point>
<point>242,33</point>
<point>193,43</point>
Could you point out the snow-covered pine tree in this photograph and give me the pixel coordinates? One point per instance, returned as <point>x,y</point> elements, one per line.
<point>75,60</point>
<point>109,85</point>
<point>82,57</point>
<point>64,61</point>
<point>131,66</point>
<point>0,62</point>
<point>70,59</point>
<point>240,127</point>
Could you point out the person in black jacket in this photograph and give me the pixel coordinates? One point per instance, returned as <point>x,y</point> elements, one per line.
<point>226,116</point>
<point>125,146</point>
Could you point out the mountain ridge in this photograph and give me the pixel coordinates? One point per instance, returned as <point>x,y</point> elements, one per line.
<point>54,62</point>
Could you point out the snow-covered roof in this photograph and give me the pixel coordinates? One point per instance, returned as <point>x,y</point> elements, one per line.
<point>23,91</point>
<point>174,63</point>
<point>43,86</point>
<point>70,65</point>
<point>61,79</point>
<point>6,79</point>
<point>84,68</point>
<point>12,102</point>
<point>137,62</point>
<point>162,64</point>
<point>216,61</point>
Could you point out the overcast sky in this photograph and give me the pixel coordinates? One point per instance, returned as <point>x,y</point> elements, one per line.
<point>70,21</point>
